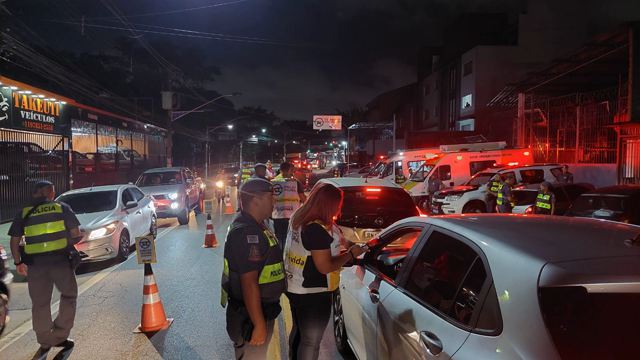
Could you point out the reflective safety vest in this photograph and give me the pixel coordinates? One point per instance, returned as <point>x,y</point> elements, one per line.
<point>270,281</point>
<point>501,198</point>
<point>44,229</point>
<point>543,203</point>
<point>494,186</point>
<point>287,199</point>
<point>297,258</point>
<point>400,179</point>
<point>246,174</point>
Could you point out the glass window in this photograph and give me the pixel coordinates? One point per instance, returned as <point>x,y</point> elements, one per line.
<point>84,136</point>
<point>556,172</point>
<point>388,259</point>
<point>467,298</point>
<point>532,176</point>
<point>604,321</point>
<point>414,165</point>
<point>467,101</point>
<point>477,166</point>
<point>439,271</point>
<point>443,172</point>
<point>375,207</point>
<point>159,178</point>
<point>388,170</point>
<point>126,197</point>
<point>90,202</point>
<point>490,318</point>
<point>137,194</point>
<point>601,202</point>
<point>422,172</point>
<point>480,179</point>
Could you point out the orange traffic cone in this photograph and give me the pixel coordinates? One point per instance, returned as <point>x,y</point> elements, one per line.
<point>153,317</point>
<point>228,210</point>
<point>210,236</point>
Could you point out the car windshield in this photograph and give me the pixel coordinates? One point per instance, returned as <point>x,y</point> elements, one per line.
<point>587,203</point>
<point>422,172</point>
<point>480,179</point>
<point>90,202</point>
<point>160,178</point>
<point>525,197</point>
<point>129,153</point>
<point>377,170</point>
<point>375,207</point>
<point>604,321</point>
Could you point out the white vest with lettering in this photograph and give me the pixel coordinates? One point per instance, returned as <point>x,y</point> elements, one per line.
<point>287,199</point>
<point>296,257</point>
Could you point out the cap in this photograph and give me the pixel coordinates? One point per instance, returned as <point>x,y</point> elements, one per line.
<point>546,184</point>
<point>256,186</point>
<point>41,184</point>
<point>260,165</point>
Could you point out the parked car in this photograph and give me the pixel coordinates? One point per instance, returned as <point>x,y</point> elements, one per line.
<point>370,206</point>
<point>111,217</point>
<point>6,278</point>
<point>565,195</point>
<point>174,192</point>
<point>470,197</point>
<point>491,286</point>
<point>103,161</point>
<point>20,159</point>
<point>82,162</point>
<point>617,203</point>
<point>125,155</point>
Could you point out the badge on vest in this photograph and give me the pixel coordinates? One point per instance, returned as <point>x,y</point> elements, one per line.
<point>253,239</point>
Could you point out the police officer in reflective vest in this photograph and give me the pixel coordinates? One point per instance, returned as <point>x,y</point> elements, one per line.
<point>545,201</point>
<point>288,194</point>
<point>492,192</point>
<point>505,199</point>
<point>50,230</point>
<point>253,276</point>
<point>245,174</point>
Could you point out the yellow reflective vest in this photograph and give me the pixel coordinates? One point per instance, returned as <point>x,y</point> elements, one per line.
<point>44,230</point>
<point>287,199</point>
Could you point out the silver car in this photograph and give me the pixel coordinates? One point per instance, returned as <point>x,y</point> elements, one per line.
<point>174,191</point>
<point>493,287</point>
<point>111,217</point>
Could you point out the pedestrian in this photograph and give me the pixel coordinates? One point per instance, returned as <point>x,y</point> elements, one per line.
<point>492,192</point>
<point>220,185</point>
<point>505,199</point>
<point>434,184</point>
<point>50,230</point>
<point>289,195</point>
<point>270,173</point>
<point>253,275</point>
<point>565,177</point>
<point>260,171</point>
<point>545,201</point>
<point>313,263</point>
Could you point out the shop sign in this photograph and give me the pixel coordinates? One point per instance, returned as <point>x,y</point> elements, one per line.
<point>21,110</point>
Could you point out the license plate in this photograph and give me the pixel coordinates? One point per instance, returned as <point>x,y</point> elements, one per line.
<point>368,235</point>
<point>435,210</point>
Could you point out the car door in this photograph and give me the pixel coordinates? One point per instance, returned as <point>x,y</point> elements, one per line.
<point>430,314</point>
<point>368,284</point>
<point>145,205</point>
<point>134,215</point>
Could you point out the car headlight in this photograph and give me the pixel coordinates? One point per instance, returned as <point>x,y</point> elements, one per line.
<point>451,198</point>
<point>172,196</point>
<point>219,184</point>
<point>103,231</point>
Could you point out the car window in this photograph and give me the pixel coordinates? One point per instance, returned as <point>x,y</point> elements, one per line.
<point>439,272</point>
<point>388,260</point>
<point>490,318</point>
<point>480,179</point>
<point>532,176</point>
<point>160,178</point>
<point>126,197</point>
<point>505,175</point>
<point>556,172</point>
<point>90,202</point>
<point>375,207</point>
<point>388,170</point>
<point>477,166</point>
<point>137,194</point>
<point>422,172</point>
<point>467,298</point>
<point>443,172</point>
<point>415,165</point>
<point>35,148</point>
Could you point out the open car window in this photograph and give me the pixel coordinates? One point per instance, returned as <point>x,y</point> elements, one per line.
<point>387,261</point>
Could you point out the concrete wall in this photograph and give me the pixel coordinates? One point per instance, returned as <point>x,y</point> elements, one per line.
<point>599,175</point>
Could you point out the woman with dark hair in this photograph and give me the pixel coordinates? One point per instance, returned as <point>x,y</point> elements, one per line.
<point>313,259</point>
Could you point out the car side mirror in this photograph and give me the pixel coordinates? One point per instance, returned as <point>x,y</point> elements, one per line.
<point>130,205</point>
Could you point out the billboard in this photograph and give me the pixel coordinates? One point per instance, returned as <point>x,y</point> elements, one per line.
<point>327,122</point>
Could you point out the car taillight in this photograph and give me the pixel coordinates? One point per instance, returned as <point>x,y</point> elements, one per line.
<point>526,153</point>
<point>515,163</point>
<point>529,210</point>
<point>377,190</point>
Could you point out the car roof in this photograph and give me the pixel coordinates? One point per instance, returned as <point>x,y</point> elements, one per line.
<point>99,188</point>
<point>518,167</point>
<point>354,181</point>
<point>164,169</point>
<point>545,238</point>
<point>616,190</point>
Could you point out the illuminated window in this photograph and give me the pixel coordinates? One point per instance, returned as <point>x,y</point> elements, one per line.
<point>467,101</point>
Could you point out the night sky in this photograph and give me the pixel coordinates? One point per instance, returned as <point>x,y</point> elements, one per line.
<point>296,57</point>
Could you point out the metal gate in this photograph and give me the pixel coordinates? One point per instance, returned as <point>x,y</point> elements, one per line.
<point>630,161</point>
<point>25,158</point>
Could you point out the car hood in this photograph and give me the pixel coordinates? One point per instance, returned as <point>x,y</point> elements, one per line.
<point>161,189</point>
<point>92,220</point>
<point>457,189</point>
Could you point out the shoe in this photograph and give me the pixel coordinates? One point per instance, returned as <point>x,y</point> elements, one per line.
<point>67,344</point>
<point>41,354</point>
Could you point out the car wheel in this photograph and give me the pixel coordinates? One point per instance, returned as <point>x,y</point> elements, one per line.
<point>4,306</point>
<point>339,331</point>
<point>153,230</point>
<point>183,218</point>
<point>124,247</point>
<point>474,208</point>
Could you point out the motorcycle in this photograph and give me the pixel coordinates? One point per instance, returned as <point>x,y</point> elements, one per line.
<point>6,278</point>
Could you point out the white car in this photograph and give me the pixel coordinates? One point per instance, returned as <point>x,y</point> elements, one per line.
<point>470,197</point>
<point>111,217</point>
<point>491,286</point>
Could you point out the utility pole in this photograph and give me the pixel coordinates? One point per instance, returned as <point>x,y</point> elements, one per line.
<point>394,132</point>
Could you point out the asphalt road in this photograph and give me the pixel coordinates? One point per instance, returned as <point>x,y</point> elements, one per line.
<point>110,297</point>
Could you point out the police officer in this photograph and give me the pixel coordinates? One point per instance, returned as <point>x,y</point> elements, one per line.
<point>492,192</point>
<point>245,174</point>
<point>260,171</point>
<point>50,230</point>
<point>545,201</point>
<point>288,194</point>
<point>505,199</point>
<point>565,177</point>
<point>253,277</point>
<point>434,184</point>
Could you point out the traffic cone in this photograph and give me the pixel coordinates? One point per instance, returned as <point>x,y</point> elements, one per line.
<point>210,236</point>
<point>153,317</point>
<point>228,210</point>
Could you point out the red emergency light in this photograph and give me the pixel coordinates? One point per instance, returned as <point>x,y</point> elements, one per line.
<point>526,153</point>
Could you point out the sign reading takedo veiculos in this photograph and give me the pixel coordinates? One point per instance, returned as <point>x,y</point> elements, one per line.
<point>146,249</point>
<point>327,122</point>
<point>28,111</point>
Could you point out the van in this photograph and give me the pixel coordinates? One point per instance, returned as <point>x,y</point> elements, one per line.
<point>401,165</point>
<point>455,164</point>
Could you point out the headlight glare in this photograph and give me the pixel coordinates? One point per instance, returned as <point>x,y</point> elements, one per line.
<point>451,198</point>
<point>172,196</point>
<point>103,231</point>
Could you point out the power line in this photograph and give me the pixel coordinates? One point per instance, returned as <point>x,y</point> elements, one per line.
<point>176,11</point>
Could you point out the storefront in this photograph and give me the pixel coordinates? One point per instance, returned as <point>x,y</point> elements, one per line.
<point>44,136</point>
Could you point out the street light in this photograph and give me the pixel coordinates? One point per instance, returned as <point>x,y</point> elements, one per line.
<point>263,130</point>
<point>230,126</point>
<point>208,130</point>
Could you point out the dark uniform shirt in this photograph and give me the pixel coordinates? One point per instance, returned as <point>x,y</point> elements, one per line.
<point>314,237</point>
<point>70,222</point>
<point>506,205</point>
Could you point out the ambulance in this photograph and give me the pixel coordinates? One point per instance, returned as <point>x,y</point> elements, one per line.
<point>401,165</point>
<point>455,164</point>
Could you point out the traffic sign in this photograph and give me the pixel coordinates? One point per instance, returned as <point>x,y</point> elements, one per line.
<point>146,249</point>
<point>327,122</point>
<point>208,206</point>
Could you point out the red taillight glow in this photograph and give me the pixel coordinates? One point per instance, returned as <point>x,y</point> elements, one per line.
<point>373,190</point>
<point>529,210</point>
<point>526,153</point>
<point>513,163</point>
<point>381,157</point>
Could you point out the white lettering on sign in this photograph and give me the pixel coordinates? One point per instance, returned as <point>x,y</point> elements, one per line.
<point>146,249</point>
<point>327,122</point>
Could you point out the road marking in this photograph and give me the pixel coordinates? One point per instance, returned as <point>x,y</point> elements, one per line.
<point>23,329</point>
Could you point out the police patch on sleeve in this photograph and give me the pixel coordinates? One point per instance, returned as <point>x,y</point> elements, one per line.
<point>253,239</point>
<point>254,253</point>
